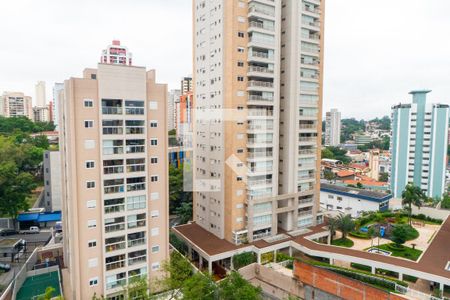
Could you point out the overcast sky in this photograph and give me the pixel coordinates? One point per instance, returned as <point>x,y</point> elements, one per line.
<point>376,51</point>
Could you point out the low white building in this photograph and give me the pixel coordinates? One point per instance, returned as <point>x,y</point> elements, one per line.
<point>352,201</point>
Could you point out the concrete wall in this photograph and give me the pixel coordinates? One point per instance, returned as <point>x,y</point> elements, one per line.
<point>273,283</point>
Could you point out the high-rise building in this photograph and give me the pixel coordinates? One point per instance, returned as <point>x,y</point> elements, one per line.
<point>41,95</point>
<point>419,145</point>
<point>184,119</point>
<point>113,135</point>
<point>16,104</point>
<point>41,114</point>
<point>333,128</point>
<point>58,89</point>
<point>117,54</point>
<point>174,98</point>
<point>186,85</point>
<point>258,72</point>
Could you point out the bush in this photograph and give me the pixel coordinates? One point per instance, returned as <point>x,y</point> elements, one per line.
<point>343,243</point>
<point>360,235</point>
<point>243,259</point>
<point>361,267</point>
<point>387,273</point>
<point>407,232</point>
<point>410,278</point>
<point>395,247</point>
<point>178,244</point>
<point>283,257</point>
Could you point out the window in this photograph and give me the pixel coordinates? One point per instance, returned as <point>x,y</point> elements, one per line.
<point>154,213</point>
<point>330,197</point>
<point>88,103</point>
<point>88,124</point>
<point>153,105</point>
<point>136,202</point>
<point>154,196</point>
<point>241,49</point>
<point>154,178</point>
<point>153,124</point>
<point>154,142</point>
<point>89,144</point>
<point>92,223</point>
<point>92,263</point>
<point>155,249</point>
<point>155,266</point>
<point>92,243</point>
<point>91,204</point>
<point>241,34</point>
<point>93,281</point>
<point>339,198</point>
<point>240,78</point>
<point>155,231</point>
<point>90,184</point>
<point>90,164</point>
<point>240,64</point>
<point>154,160</point>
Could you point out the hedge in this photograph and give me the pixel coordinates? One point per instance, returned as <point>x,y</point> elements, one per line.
<point>360,235</point>
<point>361,267</point>
<point>243,259</point>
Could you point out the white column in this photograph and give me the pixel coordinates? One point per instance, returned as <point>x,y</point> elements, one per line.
<point>200,262</point>
<point>441,286</point>
<point>331,261</point>
<point>210,267</point>
<point>274,255</point>
<point>373,270</point>
<point>231,263</point>
<point>259,258</point>
<point>290,251</point>
<point>329,239</point>
<point>400,276</point>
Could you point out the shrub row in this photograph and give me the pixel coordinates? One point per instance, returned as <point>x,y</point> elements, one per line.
<point>358,234</point>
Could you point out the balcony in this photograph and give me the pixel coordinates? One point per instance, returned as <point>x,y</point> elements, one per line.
<point>137,260</point>
<point>261,84</point>
<point>112,130</point>
<point>108,110</point>
<point>114,189</point>
<point>260,113</point>
<point>307,152</point>
<point>135,149</point>
<point>135,187</point>
<point>261,11</point>
<point>263,55</point>
<point>136,168</point>
<point>113,150</point>
<point>137,242</point>
<point>260,25</point>
<point>260,98</point>
<point>315,25</point>
<point>116,284</point>
<point>259,127</point>
<point>307,140</point>
<point>115,247</point>
<point>114,227</point>
<point>260,155</point>
<point>115,265</point>
<point>112,170</point>
<point>311,9</point>
<point>307,127</point>
<point>259,183</point>
<point>305,213</point>
<point>257,69</point>
<point>112,209</point>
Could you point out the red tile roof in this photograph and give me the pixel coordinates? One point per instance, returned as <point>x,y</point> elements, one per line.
<point>345,173</point>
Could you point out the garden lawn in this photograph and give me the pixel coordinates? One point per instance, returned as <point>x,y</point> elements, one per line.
<point>403,251</point>
<point>343,243</point>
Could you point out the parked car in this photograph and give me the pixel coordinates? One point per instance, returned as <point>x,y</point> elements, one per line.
<point>5,267</point>
<point>31,230</point>
<point>7,231</point>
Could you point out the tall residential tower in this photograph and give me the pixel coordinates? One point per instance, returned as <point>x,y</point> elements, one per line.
<point>333,128</point>
<point>419,145</point>
<point>113,135</point>
<point>258,69</point>
<point>16,104</point>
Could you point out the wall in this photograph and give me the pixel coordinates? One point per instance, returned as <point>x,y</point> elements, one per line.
<point>273,283</point>
<point>356,205</point>
<point>335,284</point>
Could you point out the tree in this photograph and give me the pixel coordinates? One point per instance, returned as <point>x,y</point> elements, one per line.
<point>384,177</point>
<point>345,224</point>
<point>176,272</point>
<point>332,225</point>
<point>398,235</point>
<point>49,291</point>
<point>327,153</point>
<point>138,288</point>
<point>177,194</point>
<point>372,234</point>
<point>199,286</point>
<point>412,195</point>
<point>15,187</point>
<point>328,175</point>
<point>234,287</point>
<point>336,153</point>
<point>243,259</point>
<point>359,185</point>
<point>184,212</point>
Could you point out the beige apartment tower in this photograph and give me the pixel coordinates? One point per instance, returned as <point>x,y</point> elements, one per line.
<point>115,189</point>
<point>258,74</point>
<point>16,104</point>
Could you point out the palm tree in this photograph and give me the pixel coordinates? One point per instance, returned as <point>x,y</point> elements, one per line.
<point>345,224</point>
<point>332,225</point>
<point>412,195</point>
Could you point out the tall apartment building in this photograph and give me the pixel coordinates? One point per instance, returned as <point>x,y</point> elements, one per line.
<point>333,128</point>
<point>258,69</point>
<point>186,85</point>
<point>184,119</point>
<point>117,54</point>
<point>16,104</point>
<point>174,98</point>
<point>113,135</point>
<point>42,113</point>
<point>419,145</point>
<point>41,96</point>
<point>58,89</point>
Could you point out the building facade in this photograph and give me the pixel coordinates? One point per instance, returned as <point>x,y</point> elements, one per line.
<point>174,98</point>
<point>186,85</point>
<point>333,128</point>
<point>117,54</point>
<point>58,89</point>
<point>41,95</point>
<point>16,104</point>
<point>52,181</point>
<point>115,178</point>
<point>41,114</point>
<point>184,119</point>
<point>258,69</point>
<point>419,145</point>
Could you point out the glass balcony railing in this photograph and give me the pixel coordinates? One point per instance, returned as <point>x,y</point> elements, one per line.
<point>108,110</point>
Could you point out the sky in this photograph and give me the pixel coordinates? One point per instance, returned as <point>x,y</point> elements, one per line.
<point>375,51</point>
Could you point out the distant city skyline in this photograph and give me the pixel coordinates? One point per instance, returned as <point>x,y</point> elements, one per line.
<point>371,62</point>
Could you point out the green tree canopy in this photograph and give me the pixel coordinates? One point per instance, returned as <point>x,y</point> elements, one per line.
<point>235,287</point>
